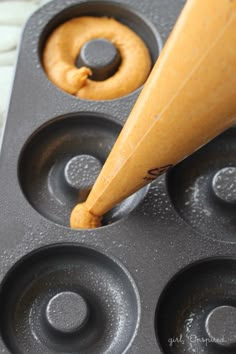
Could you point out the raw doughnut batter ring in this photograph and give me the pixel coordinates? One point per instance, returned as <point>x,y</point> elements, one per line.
<point>65,43</point>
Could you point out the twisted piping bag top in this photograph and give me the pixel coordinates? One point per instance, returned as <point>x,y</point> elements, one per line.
<point>188,99</point>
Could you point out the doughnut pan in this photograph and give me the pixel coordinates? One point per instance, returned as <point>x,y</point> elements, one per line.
<point>160,275</point>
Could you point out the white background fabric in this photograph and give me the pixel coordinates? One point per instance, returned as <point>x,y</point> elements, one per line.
<point>13,15</point>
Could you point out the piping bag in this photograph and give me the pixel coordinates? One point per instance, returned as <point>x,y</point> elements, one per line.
<point>188,99</point>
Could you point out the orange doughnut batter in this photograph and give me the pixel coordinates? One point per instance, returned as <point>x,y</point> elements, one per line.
<point>84,218</point>
<point>64,44</point>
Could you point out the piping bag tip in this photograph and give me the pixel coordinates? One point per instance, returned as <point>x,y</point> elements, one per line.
<point>82,218</point>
